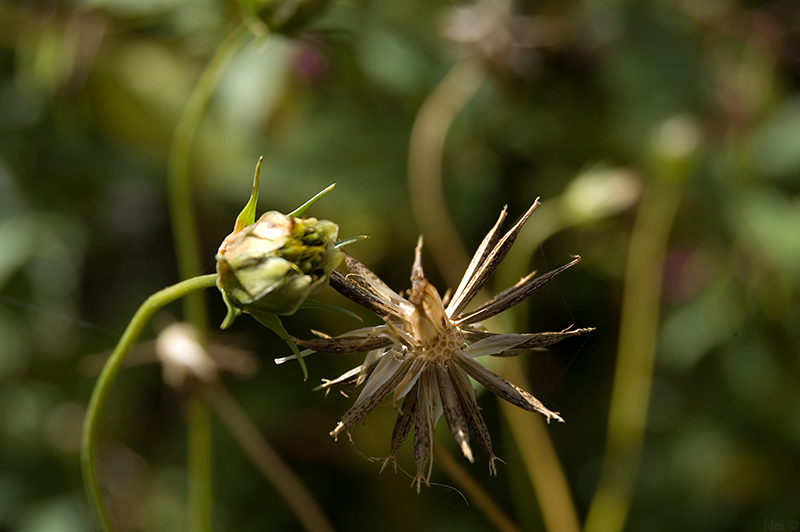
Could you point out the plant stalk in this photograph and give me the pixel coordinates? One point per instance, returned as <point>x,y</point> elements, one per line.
<point>104,382</point>
<point>189,259</point>
<point>633,377</point>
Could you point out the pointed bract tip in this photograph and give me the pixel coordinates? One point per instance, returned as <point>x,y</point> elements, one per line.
<point>338,430</point>
<point>418,481</point>
<point>465,449</point>
<point>386,461</point>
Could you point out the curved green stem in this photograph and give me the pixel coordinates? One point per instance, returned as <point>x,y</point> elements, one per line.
<point>102,388</point>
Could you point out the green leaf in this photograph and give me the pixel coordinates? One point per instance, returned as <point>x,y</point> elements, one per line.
<point>273,323</point>
<point>305,206</point>
<point>248,214</point>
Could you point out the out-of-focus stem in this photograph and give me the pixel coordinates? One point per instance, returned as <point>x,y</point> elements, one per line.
<point>287,484</point>
<point>474,492</point>
<point>633,376</point>
<point>540,459</point>
<point>200,452</point>
<point>102,388</point>
<point>425,166</point>
<point>179,184</point>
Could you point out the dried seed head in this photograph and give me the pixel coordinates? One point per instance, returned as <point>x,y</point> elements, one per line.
<point>424,352</point>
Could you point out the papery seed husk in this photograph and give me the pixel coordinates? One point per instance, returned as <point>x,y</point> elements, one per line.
<point>459,300</point>
<point>488,266</point>
<point>514,295</point>
<point>453,412</point>
<point>502,388</point>
<point>358,295</point>
<point>366,279</point>
<point>472,413</point>
<point>533,339</point>
<point>344,344</point>
<point>361,409</point>
<point>405,419</point>
<point>423,428</point>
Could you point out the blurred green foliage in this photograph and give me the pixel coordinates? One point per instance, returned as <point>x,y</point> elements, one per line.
<point>90,93</point>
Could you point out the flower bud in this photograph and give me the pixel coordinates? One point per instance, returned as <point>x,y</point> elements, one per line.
<point>274,264</point>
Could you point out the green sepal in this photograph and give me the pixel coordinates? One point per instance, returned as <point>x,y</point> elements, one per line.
<point>233,312</point>
<point>310,303</point>
<point>305,206</point>
<point>348,241</point>
<point>273,323</point>
<point>248,214</point>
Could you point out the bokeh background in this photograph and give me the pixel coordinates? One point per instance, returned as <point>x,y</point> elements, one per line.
<point>589,104</point>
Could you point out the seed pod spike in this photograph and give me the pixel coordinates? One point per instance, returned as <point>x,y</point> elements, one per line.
<point>305,206</point>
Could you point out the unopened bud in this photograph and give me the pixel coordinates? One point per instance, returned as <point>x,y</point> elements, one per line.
<point>274,264</point>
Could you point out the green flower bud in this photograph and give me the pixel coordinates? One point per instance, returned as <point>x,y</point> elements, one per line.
<point>274,264</point>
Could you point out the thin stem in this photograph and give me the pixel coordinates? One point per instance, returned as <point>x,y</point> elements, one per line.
<point>102,388</point>
<point>199,463</point>
<point>195,311</point>
<point>474,491</point>
<point>633,376</point>
<point>425,166</point>
<point>540,459</point>
<point>184,229</point>
<point>288,485</point>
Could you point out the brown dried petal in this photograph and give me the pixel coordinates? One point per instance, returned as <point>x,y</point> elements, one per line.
<point>405,418</point>
<point>366,279</point>
<point>459,297</point>
<point>358,294</point>
<point>418,281</point>
<point>533,340</point>
<point>504,389</point>
<point>365,406</point>
<point>472,412</point>
<point>514,295</point>
<point>344,344</point>
<point>453,413</point>
<point>423,428</point>
<point>489,264</point>
<point>345,379</point>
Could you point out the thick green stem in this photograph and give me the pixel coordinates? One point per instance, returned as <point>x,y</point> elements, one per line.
<point>189,257</point>
<point>106,379</point>
<point>633,376</point>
